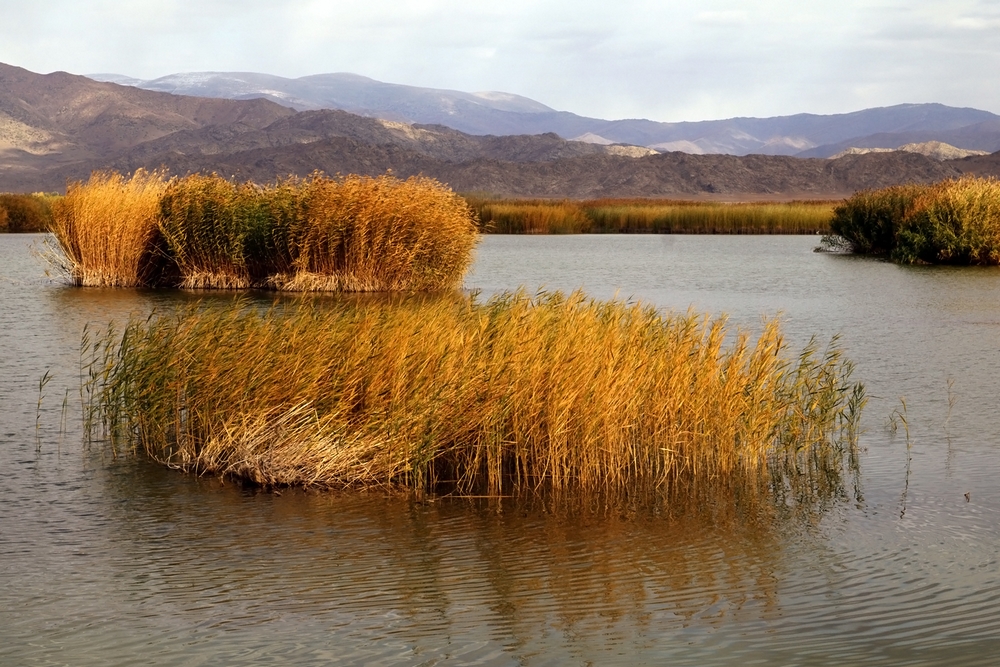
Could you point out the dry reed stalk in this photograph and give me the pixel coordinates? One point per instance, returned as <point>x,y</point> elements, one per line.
<point>515,394</point>
<point>108,228</point>
<point>205,223</point>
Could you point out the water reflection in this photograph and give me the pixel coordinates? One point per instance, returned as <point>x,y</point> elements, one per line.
<point>394,569</point>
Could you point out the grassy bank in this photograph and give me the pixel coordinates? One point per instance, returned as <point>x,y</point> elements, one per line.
<point>952,222</point>
<point>316,234</point>
<point>26,213</point>
<point>650,216</point>
<point>448,393</point>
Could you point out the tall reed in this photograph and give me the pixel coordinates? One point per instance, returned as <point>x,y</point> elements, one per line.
<point>712,218</point>
<point>213,229</point>
<point>365,234</point>
<point>532,217</point>
<point>109,229</point>
<point>869,221</point>
<point>514,394</point>
<point>955,222</point>
<point>651,216</point>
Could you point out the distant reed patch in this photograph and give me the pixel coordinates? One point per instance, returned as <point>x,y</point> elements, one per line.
<point>606,216</point>
<point>26,212</point>
<point>350,233</point>
<point>449,394</point>
<point>951,222</point>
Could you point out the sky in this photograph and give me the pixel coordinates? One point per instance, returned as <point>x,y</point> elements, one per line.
<point>663,60</point>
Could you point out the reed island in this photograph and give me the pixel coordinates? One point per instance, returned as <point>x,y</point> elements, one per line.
<point>951,222</point>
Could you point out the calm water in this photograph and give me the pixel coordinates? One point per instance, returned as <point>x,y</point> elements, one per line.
<point>121,562</point>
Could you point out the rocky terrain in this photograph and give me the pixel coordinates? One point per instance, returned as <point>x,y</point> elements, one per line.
<point>57,128</point>
<point>937,150</point>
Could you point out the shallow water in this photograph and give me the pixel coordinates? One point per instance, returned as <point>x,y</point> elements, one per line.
<point>121,562</point>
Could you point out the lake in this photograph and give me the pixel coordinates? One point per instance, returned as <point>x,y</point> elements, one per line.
<point>124,562</point>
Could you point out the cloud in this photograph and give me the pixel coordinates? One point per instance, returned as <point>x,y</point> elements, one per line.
<point>725,17</point>
<point>976,23</point>
<point>682,60</point>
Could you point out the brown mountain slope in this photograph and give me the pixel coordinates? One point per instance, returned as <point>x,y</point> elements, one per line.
<point>310,127</point>
<point>59,118</point>
<point>979,165</point>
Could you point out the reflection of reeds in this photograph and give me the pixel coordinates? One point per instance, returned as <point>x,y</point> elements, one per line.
<point>651,216</point>
<point>516,393</point>
<point>346,234</point>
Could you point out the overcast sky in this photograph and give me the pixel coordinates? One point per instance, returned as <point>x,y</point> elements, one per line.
<point>669,61</point>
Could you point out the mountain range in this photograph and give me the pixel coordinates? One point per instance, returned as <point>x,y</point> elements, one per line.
<point>803,135</point>
<point>57,128</point>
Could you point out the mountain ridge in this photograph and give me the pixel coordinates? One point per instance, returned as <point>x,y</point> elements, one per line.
<point>58,128</point>
<point>805,135</point>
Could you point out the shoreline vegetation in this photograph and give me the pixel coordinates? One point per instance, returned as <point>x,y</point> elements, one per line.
<point>650,216</point>
<point>346,234</point>
<point>447,394</point>
<point>950,222</point>
<point>435,393</point>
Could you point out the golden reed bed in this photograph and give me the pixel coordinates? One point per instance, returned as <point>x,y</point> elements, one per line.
<point>603,216</point>
<point>315,234</point>
<point>447,393</point>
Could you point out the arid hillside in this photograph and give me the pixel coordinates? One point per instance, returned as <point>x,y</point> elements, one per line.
<point>51,120</point>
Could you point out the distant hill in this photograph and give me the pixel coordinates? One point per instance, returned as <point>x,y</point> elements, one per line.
<point>932,149</point>
<point>56,128</point>
<point>723,177</point>
<point>982,136</point>
<point>806,135</point>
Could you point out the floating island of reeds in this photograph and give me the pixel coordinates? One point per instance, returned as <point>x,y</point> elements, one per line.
<point>441,394</point>
<point>316,234</point>
<point>452,394</point>
<point>951,222</point>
